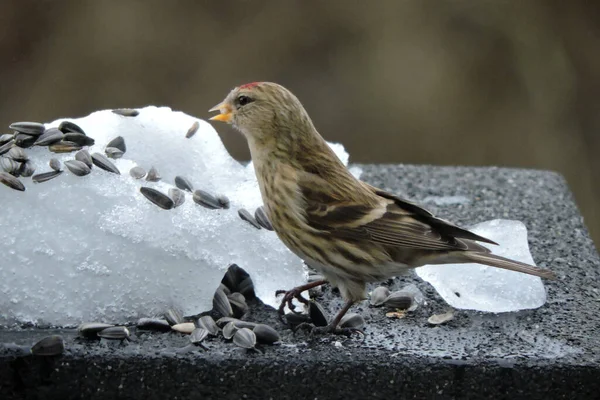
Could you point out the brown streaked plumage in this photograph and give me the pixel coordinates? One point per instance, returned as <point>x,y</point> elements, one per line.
<point>350,231</point>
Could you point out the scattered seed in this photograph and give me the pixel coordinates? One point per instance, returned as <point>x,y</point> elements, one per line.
<point>229,330</point>
<point>27,169</point>
<point>78,168</point>
<point>206,322</point>
<point>46,176</point>
<point>246,216</point>
<point>378,296</point>
<point>113,152</point>
<point>64,147</point>
<point>184,327</point>
<point>153,175</point>
<point>114,333</point>
<point>173,316</point>
<point>198,335</point>
<point>11,181</point>
<point>137,172</point>
<point>7,137</point>
<point>68,126</point>
<point>221,322</point>
<point>266,334</point>
<point>238,304</point>
<point>17,154</point>
<point>55,164</point>
<point>79,138</point>
<point>158,198</point>
<point>50,136</point>
<point>9,165</point>
<point>118,143</point>
<point>31,128</point>
<point>193,129</point>
<point>24,141</point>
<point>399,300</point>
<point>221,303</point>
<point>153,324</point>
<point>49,346</point>
<point>206,199</point>
<point>223,201</point>
<point>317,314</point>
<point>184,184</point>
<point>438,319</point>
<point>294,319</point>
<point>85,157</point>
<point>245,338</point>
<point>126,112</point>
<point>352,320</point>
<point>104,163</point>
<point>177,196</point>
<point>6,147</point>
<point>91,329</point>
<point>262,219</point>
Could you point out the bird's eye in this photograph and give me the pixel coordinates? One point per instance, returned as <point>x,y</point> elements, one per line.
<point>243,100</point>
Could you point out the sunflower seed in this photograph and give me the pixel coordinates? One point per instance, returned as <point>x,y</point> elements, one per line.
<point>224,289</point>
<point>104,163</point>
<point>399,300</point>
<point>11,181</point>
<point>266,334</point>
<point>113,152</point>
<point>126,112</point>
<point>352,320</point>
<point>153,324</point>
<point>184,327</point>
<point>46,176</point>
<point>438,319</point>
<point>153,175</point>
<point>7,137</point>
<point>91,329</point>
<point>17,154</point>
<point>55,164</point>
<point>245,338</point>
<point>64,147</point>
<point>79,138</point>
<point>173,316</point>
<point>378,296</point>
<point>233,277</point>
<point>6,147</point>
<point>177,196</point>
<point>50,136</point>
<point>221,303</point>
<point>68,126</point>
<point>206,199</point>
<point>184,184</point>
<point>49,346</point>
<point>317,314</point>
<point>9,165</point>
<point>238,304</point>
<point>262,219</point>
<point>85,157</point>
<point>24,141</point>
<point>223,201</point>
<point>221,322</point>
<point>229,330</point>
<point>158,198</point>
<point>30,128</point>
<point>294,319</point>
<point>137,172</point>
<point>27,169</point>
<point>193,129</point>
<point>114,333</point>
<point>78,168</point>
<point>198,335</point>
<point>246,216</point>
<point>118,143</point>
<point>246,287</point>
<point>206,322</point>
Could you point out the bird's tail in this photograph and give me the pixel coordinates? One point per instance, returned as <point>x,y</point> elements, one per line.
<point>505,263</point>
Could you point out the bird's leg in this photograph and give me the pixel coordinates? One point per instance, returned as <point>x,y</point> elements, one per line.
<point>296,293</point>
<point>333,325</point>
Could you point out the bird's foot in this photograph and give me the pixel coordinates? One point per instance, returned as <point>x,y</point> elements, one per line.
<point>295,293</point>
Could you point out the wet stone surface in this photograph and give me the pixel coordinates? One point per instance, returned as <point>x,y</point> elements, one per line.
<point>551,352</point>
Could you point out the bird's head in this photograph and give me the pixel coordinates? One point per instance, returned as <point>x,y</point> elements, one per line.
<point>265,112</point>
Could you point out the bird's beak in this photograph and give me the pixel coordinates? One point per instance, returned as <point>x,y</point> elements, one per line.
<point>225,110</point>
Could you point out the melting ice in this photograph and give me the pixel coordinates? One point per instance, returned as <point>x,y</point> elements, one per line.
<point>93,248</point>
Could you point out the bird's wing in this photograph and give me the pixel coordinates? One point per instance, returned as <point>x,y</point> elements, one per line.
<point>381,218</point>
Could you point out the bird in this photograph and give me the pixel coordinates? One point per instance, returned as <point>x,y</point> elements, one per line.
<point>351,232</point>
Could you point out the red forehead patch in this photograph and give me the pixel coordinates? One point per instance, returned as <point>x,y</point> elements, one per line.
<point>250,85</point>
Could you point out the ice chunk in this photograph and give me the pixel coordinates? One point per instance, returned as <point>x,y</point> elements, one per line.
<point>483,288</point>
<point>93,248</point>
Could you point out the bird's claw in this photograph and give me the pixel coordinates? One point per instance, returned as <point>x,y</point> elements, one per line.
<point>288,297</point>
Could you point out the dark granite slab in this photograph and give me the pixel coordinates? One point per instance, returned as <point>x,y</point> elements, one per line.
<point>552,352</point>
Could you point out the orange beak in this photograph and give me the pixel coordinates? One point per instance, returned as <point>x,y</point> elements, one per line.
<point>225,110</point>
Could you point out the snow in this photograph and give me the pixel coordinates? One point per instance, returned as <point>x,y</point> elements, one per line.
<point>94,249</point>
<point>486,288</point>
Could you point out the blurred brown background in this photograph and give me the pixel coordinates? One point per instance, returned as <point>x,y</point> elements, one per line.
<point>472,82</point>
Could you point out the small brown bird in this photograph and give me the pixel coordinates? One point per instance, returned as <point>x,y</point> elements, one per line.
<point>350,231</point>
